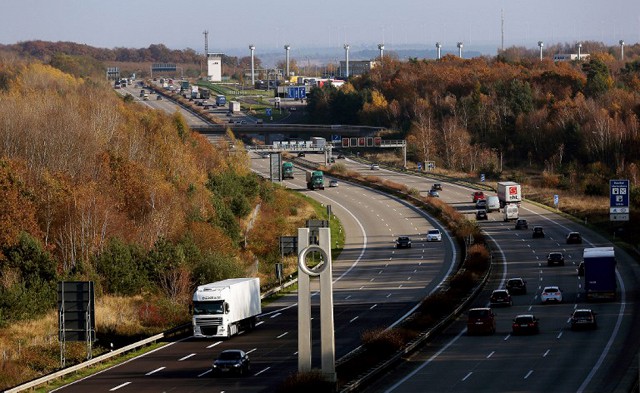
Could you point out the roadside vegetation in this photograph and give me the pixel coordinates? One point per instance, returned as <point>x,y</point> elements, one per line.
<point>95,188</point>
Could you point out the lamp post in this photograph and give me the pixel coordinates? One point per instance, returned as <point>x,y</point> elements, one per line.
<point>286,48</point>
<point>438,46</point>
<point>621,42</point>
<point>579,45</point>
<point>346,51</point>
<point>253,70</point>
<point>460,49</point>
<point>540,44</point>
<point>381,48</point>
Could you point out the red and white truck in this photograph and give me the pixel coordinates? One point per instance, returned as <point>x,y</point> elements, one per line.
<point>509,193</point>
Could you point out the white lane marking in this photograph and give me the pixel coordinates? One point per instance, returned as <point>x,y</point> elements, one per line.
<point>528,374</point>
<point>253,350</point>
<point>119,386</point>
<point>282,335</point>
<point>388,296</point>
<point>205,373</point>
<point>261,371</point>
<point>257,324</point>
<point>374,306</point>
<point>187,357</point>
<point>155,371</point>
<point>348,297</point>
<point>353,319</point>
<point>506,337</point>
<point>467,376</point>
<point>215,343</point>
<point>372,279</point>
<point>276,315</point>
<point>546,353</point>
<point>491,354</point>
<point>559,335</point>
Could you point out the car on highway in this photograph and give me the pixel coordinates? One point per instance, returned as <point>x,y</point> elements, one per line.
<point>521,223</point>
<point>477,195</point>
<point>481,215</point>
<point>403,242</point>
<point>551,294</point>
<point>481,320</point>
<point>374,167</point>
<point>333,183</point>
<point>437,186</point>
<point>525,324</point>
<point>574,238</point>
<point>158,97</point>
<point>583,318</point>
<point>516,285</point>
<point>434,235</point>
<point>481,204</point>
<point>232,361</point>
<point>301,154</point>
<point>538,232</point>
<point>434,194</point>
<point>555,258</point>
<point>500,297</point>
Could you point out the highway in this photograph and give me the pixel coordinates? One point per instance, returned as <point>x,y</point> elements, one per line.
<point>375,285</point>
<point>558,359</point>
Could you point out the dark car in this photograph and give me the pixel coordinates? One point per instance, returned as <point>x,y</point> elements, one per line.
<point>555,258</point>
<point>525,324</point>
<point>538,232</point>
<point>341,157</point>
<point>500,297</point>
<point>521,223</point>
<point>301,154</point>
<point>476,196</point>
<point>516,285</point>
<point>481,215</point>
<point>436,186</point>
<point>232,361</point>
<point>574,238</point>
<point>481,321</point>
<point>583,318</point>
<point>158,97</point>
<point>581,269</point>
<point>481,204</point>
<point>403,242</point>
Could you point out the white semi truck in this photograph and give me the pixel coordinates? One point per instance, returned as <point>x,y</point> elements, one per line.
<point>509,192</point>
<point>225,308</point>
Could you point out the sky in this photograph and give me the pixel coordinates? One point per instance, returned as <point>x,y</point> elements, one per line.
<point>269,25</point>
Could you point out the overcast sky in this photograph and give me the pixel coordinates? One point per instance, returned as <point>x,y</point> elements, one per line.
<point>233,25</point>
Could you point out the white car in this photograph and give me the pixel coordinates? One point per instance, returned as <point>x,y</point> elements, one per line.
<point>434,235</point>
<point>375,167</point>
<point>551,294</point>
<point>333,183</point>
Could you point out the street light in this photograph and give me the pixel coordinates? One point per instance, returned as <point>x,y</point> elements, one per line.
<point>621,42</point>
<point>540,44</point>
<point>460,49</point>
<point>346,51</point>
<point>438,46</point>
<point>253,70</point>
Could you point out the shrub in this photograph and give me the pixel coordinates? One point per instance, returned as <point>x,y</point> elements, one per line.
<point>477,258</point>
<point>309,382</point>
<point>383,342</point>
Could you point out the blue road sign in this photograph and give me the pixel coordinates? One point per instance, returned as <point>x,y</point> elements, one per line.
<point>619,196</point>
<point>556,199</point>
<point>268,111</point>
<point>482,177</point>
<point>419,166</point>
<point>336,138</point>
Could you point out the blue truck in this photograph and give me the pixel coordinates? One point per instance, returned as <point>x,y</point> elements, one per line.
<point>600,273</point>
<point>221,100</point>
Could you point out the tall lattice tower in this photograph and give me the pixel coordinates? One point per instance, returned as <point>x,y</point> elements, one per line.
<point>206,42</point>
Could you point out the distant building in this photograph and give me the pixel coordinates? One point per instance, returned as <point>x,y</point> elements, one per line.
<point>570,56</point>
<point>214,67</point>
<point>356,67</point>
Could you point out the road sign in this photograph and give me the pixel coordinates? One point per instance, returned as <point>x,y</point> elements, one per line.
<point>619,217</point>
<point>336,138</point>
<point>618,196</point>
<point>482,177</point>
<point>419,166</point>
<point>268,111</point>
<point>556,199</point>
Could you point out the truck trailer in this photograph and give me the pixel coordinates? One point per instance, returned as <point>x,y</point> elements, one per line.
<point>509,192</point>
<point>225,308</point>
<point>600,273</point>
<point>315,180</point>
<point>287,170</point>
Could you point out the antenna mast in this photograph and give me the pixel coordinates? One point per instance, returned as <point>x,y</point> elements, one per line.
<point>206,42</point>
<point>502,28</point>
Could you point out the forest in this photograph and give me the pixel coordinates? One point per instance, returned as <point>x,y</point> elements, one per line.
<point>96,187</point>
<point>576,122</point>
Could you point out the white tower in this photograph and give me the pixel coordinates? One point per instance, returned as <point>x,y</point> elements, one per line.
<point>579,45</point>
<point>253,70</point>
<point>438,46</point>
<point>460,45</point>
<point>346,51</point>
<point>381,48</point>
<point>286,48</point>
<point>540,44</point>
<point>621,42</point>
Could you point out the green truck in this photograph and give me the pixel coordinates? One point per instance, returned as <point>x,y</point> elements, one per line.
<point>287,170</point>
<point>315,180</point>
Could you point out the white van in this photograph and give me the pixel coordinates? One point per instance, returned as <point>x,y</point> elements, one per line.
<point>493,204</point>
<point>510,212</point>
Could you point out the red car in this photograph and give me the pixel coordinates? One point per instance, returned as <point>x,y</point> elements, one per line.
<point>477,195</point>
